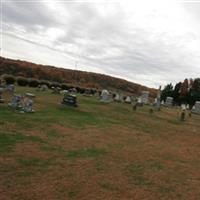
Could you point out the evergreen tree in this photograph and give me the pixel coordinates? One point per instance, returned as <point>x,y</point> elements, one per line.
<point>176,93</point>
<point>167,92</point>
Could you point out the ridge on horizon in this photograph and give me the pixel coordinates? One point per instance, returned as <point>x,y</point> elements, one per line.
<point>29,69</point>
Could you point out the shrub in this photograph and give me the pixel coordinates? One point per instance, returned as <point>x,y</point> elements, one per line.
<point>64,86</point>
<point>82,90</point>
<point>78,89</point>
<point>33,82</point>
<point>21,81</point>
<point>44,82</point>
<point>9,79</point>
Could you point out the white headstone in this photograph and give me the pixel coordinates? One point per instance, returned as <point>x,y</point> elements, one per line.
<point>196,107</point>
<point>169,101</point>
<point>145,97</point>
<point>117,97</point>
<point>105,96</point>
<point>183,107</point>
<point>128,99</point>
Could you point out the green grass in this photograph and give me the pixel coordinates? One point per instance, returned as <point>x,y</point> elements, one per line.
<point>8,140</point>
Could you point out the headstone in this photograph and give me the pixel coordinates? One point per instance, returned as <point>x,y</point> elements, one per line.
<point>117,97</point>
<point>139,102</point>
<point>27,103</point>
<point>196,108</point>
<point>30,95</point>
<point>10,88</point>
<point>23,103</point>
<point>56,90</point>
<point>128,99</point>
<point>43,88</point>
<point>16,101</point>
<point>157,102</point>
<point>183,107</point>
<point>169,101</point>
<point>87,93</point>
<point>1,98</point>
<point>105,96</point>
<point>71,90</point>
<point>64,92</point>
<point>69,100</point>
<point>145,97</point>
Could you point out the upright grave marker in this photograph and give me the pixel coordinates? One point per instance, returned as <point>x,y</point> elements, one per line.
<point>128,99</point>
<point>145,97</point>
<point>169,101</point>
<point>105,96</point>
<point>196,108</point>
<point>69,100</point>
<point>157,102</point>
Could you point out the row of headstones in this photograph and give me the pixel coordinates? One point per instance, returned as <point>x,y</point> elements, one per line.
<point>55,90</point>
<point>195,108</point>
<point>70,98</point>
<point>106,96</point>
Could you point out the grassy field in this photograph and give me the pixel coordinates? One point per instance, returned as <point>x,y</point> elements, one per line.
<point>97,151</point>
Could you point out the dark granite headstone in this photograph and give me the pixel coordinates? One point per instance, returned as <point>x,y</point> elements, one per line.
<point>69,100</point>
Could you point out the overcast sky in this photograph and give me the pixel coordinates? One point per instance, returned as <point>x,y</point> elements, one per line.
<point>147,42</point>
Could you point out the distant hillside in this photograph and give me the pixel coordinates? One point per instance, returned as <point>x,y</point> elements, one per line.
<point>75,77</point>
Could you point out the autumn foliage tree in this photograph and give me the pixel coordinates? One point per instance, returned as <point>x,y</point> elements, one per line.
<point>187,92</point>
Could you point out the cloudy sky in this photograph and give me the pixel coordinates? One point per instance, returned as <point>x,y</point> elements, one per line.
<point>149,42</point>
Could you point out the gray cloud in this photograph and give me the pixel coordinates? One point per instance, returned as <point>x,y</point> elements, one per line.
<point>27,14</point>
<point>152,46</point>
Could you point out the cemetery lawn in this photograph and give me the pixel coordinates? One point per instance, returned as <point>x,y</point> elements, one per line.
<point>97,151</point>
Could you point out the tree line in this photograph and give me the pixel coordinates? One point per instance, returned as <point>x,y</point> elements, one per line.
<point>187,92</point>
